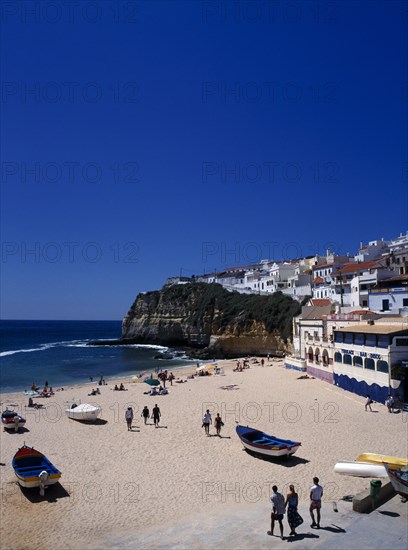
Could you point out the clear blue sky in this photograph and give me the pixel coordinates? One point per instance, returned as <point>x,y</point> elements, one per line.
<point>139,138</point>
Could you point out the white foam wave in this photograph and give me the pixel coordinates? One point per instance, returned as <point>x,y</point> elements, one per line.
<point>12,352</point>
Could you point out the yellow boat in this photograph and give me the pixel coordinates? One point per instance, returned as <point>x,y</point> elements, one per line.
<point>394,462</point>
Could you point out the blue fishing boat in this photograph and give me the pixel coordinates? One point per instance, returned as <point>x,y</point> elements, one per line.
<point>262,443</point>
<point>33,468</point>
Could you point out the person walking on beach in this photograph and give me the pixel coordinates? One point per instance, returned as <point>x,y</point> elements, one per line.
<point>145,414</point>
<point>368,403</point>
<point>129,418</point>
<point>316,493</point>
<point>156,415</point>
<point>294,519</point>
<point>207,420</point>
<point>278,510</point>
<point>218,424</point>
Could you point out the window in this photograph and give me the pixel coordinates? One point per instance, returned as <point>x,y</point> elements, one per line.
<point>359,339</point>
<point>401,342</point>
<point>338,337</point>
<point>364,303</point>
<point>357,361</point>
<point>385,305</point>
<point>382,366</point>
<point>370,340</point>
<point>405,302</point>
<point>369,364</point>
<point>337,358</point>
<point>383,341</point>
<point>347,359</point>
<point>348,338</point>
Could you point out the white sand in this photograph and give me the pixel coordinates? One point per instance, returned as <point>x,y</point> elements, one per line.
<point>117,483</point>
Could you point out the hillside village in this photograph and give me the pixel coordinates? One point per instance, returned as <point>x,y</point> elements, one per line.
<point>353,329</point>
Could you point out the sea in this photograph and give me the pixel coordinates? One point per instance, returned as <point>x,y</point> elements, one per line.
<point>58,352</point>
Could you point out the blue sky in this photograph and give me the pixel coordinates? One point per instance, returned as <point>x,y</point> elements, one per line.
<point>144,139</point>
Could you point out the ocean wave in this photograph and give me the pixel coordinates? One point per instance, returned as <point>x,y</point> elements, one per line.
<point>49,345</point>
<point>12,352</point>
<point>147,346</point>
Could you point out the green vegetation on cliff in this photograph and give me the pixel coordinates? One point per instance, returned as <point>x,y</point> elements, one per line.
<point>211,301</point>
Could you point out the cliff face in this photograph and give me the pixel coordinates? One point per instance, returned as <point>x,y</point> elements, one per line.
<point>209,318</point>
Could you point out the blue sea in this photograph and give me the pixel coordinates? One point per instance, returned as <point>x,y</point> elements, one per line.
<point>57,351</point>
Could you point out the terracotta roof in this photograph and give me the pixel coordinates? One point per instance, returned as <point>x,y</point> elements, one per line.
<point>320,302</point>
<point>375,329</point>
<point>363,312</point>
<point>318,280</point>
<point>353,267</point>
<point>323,265</point>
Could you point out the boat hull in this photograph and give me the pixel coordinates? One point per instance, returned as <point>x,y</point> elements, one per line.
<point>360,469</point>
<point>34,481</point>
<point>12,425</point>
<point>7,420</point>
<point>28,464</point>
<point>393,461</point>
<point>264,444</point>
<point>399,480</point>
<point>84,412</point>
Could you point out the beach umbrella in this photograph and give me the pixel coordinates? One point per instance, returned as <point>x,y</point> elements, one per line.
<point>152,382</point>
<point>135,378</point>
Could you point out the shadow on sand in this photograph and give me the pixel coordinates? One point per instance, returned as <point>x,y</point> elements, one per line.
<point>97,422</point>
<point>301,536</point>
<point>52,493</point>
<point>287,461</point>
<point>390,514</point>
<point>21,430</point>
<point>333,529</point>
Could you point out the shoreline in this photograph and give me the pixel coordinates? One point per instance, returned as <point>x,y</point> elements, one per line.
<point>121,378</point>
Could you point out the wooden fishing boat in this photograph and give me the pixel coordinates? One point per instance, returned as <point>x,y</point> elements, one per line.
<point>30,467</point>
<point>360,469</point>
<point>85,412</point>
<point>393,461</point>
<point>399,480</point>
<point>263,443</point>
<point>11,419</point>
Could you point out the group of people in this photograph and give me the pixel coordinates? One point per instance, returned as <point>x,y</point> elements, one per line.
<point>119,388</point>
<point>390,402</point>
<point>280,506</point>
<point>164,376</point>
<point>156,415</point>
<point>95,392</point>
<point>159,391</point>
<point>241,366</point>
<point>47,391</point>
<point>207,420</point>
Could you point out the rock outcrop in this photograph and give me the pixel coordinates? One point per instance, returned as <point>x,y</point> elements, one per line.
<point>212,321</point>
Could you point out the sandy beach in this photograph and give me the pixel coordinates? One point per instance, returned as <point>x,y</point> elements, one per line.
<point>117,483</point>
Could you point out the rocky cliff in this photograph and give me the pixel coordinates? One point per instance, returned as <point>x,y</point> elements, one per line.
<point>208,318</point>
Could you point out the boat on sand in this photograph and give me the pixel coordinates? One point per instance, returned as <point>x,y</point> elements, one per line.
<point>393,461</point>
<point>399,480</point>
<point>360,469</point>
<point>33,468</point>
<point>12,420</point>
<point>265,444</point>
<point>85,412</point>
